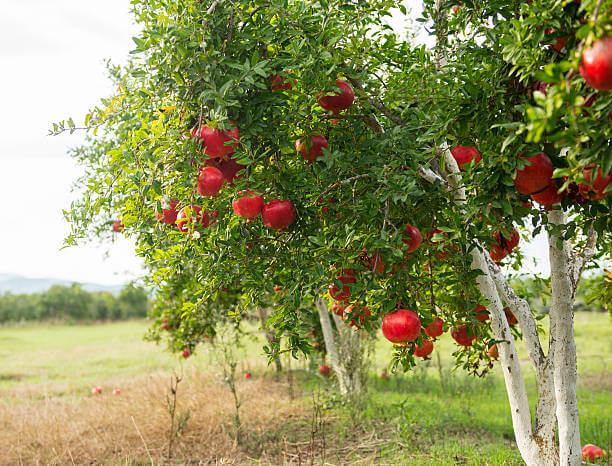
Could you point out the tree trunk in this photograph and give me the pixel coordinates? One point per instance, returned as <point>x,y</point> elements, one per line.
<point>344,351</point>
<point>562,343</point>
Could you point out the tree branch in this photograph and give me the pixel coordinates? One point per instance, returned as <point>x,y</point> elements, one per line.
<point>579,261</point>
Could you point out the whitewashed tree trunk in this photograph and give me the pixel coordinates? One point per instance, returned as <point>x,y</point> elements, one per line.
<point>562,341</point>
<point>344,350</point>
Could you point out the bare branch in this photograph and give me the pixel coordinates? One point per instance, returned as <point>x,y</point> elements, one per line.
<point>340,183</point>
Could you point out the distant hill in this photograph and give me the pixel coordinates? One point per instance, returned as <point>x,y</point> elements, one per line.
<point>17,284</point>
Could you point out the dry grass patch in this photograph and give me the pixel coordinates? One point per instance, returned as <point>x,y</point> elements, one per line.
<point>133,427</point>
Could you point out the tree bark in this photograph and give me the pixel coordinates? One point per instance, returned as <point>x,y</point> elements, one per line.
<point>562,343</point>
<point>272,339</point>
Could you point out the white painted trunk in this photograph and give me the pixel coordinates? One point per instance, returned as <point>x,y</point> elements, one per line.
<point>344,351</point>
<point>562,344</point>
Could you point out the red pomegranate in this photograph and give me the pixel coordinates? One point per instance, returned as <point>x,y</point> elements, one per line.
<point>596,64</point>
<point>464,155</point>
<point>338,309</point>
<point>324,370</point>
<point>462,334</point>
<point>497,253</point>
<point>435,329</point>
<point>594,190</point>
<point>401,326</point>
<point>230,169</point>
<point>362,313</point>
<point>278,215</point>
<point>510,317</point>
<point>191,216</point>
<point>338,101</point>
<point>280,83</point>
<point>249,205</point>
<point>591,452</point>
<point>168,213</point>
<point>549,197</point>
<point>536,176</point>
<point>492,352</point>
<point>210,181</point>
<point>424,350</point>
<point>118,226</point>
<point>215,140</point>
<point>347,278</point>
<point>414,237</point>
<point>186,354</point>
<point>313,149</point>
<point>481,313</point>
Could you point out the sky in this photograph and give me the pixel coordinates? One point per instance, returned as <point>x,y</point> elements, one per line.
<point>52,60</point>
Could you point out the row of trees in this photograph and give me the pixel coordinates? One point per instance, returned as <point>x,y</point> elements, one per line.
<point>248,78</point>
<point>73,303</point>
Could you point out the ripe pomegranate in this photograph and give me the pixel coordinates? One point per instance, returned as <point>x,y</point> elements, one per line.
<point>497,253</point>
<point>492,352</point>
<point>215,140</point>
<point>313,149</point>
<point>401,326</point>
<point>462,334</point>
<point>278,215</point>
<point>549,197</point>
<point>168,213</point>
<point>596,64</point>
<point>414,237</point>
<point>510,317</point>
<point>338,309</point>
<point>347,278</point>
<point>591,452</point>
<point>248,375</point>
<point>435,329</point>
<point>117,226</point>
<point>338,101</point>
<point>185,354</point>
<point>424,350</point>
<point>481,313</point>
<point>280,83</point>
<point>504,246</point>
<point>230,169</point>
<point>594,190</point>
<point>190,217</point>
<point>165,325</point>
<point>249,205</point>
<point>116,391</point>
<point>210,181</point>
<point>324,370</point>
<point>535,177</point>
<point>362,314</point>
<point>464,155</point>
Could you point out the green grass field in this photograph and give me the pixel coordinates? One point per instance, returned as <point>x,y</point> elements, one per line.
<point>414,418</point>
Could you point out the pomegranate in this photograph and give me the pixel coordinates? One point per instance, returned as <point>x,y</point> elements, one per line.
<point>492,352</point>
<point>462,334</point>
<point>249,205</point>
<point>425,349</point>
<point>414,237</point>
<point>591,452</point>
<point>280,83</point>
<point>362,314</point>
<point>347,278</point>
<point>210,181</point>
<point>596,64</point>
<point>186,354</point>
<point>464,155</point>
<point>536,176</point>
<point>435,329</point>
<point>338,101</point>
<point>313,149</point>
<point>481,313</point>
<point>190,217</point>
<point>278,215</point>
<point>168,213</point>
<point>549,197</point>
<point>594,190</point>
<point>401,326</point>
<point>324,370</point>
<point>117,226</point>
<point>510,317</point>
<point>215,140</point>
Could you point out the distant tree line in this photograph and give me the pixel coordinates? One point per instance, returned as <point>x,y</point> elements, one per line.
<point>73,303</point>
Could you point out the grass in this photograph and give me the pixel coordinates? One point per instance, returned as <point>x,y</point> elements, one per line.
<point>47,415</point>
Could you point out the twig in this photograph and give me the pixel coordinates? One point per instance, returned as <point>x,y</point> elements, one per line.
<point>340,183</point>
<point>143,440</point>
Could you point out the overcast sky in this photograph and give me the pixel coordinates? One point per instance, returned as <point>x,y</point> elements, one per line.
<point>52,67</point>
